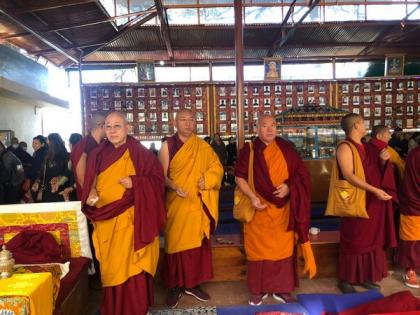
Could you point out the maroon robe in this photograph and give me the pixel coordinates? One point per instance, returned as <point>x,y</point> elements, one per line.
<point>135,295</point>
<point>191,267</point>
<point>86,145</point>
<point>408,254</point>
<point>363,241</point>
<point>278,276</point>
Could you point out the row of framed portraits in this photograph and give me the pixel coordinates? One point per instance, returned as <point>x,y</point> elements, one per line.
<point>160,129</point>
<point>274,89</point>
<point>144,105</point>
<point>379,99</point>
<point>379,86</point>
<point>118,92</point>
<point>150,108</point>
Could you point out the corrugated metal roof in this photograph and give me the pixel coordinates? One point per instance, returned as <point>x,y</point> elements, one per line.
<point>200,42</point>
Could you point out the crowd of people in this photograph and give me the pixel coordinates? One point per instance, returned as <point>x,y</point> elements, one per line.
<point>131,195</point>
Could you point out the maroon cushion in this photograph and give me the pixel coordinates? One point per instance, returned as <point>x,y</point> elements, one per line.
<point>35,247</point>
<point>77,266</point>
<point>398,302</point>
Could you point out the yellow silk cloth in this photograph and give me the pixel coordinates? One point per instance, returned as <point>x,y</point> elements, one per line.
<point>397,161</point>
<point>187,224</point>
<point>38,287</point>
<point>266,236</point>
<point>409,227</point>
<point>114,238</point>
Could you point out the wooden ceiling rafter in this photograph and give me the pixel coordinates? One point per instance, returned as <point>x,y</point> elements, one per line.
<point>384,33</point>
<point>38,35</point>
<point>133,24</point>
<point>293,29</point>
<point>164,28</point>
<point>281,32</point>
<point>56,5</point>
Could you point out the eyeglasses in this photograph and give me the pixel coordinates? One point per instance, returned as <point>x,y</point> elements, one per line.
<point>114,127</point>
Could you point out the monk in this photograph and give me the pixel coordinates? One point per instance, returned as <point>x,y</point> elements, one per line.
<point>381,135</point>
<point>408,254</point>
<point>124,197</point>
<point>282,202</point>
<point>193,175</point>
<point>363,241</point>
<point>83,148</point>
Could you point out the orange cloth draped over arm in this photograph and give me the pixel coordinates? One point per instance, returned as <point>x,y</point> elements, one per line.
<point>409,227</point>
<point>397,161</point>
<point>114,238</point>
<point>187,224</point>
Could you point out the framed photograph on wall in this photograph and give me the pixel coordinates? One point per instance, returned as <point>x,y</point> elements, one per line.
<point>6,137</point>
<point>272,68</point>
<point>394,65</point>
<point>146,71</point>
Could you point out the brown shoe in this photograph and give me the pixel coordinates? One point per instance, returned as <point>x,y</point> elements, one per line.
<point>174,295</point>
<point>198,293</point>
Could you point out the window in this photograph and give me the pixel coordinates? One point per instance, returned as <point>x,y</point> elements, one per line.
<point>306,71</point>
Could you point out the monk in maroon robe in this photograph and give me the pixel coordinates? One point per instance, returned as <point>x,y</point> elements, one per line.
<point>282,202</point>
<point>83,148</point>
<point>124,197</point>
<point>192,175</point>
<point>363,241</point>
<point>408,255</point>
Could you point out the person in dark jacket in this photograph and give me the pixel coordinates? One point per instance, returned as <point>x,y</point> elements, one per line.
<point>54,167</point>
<point>11,176</point>
<point>39,144</point>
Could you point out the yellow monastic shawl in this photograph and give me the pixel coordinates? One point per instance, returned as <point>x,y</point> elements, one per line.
<point>187,224</point>
<point>397,161</point>
<point>114,238</point>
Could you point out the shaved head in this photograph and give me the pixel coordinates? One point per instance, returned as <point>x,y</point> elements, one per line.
<point>184,112</point>
<point>117,115</point>
<point>97,121</point>
<point>265,118</point>
<point>116,128</point>
<point>349,121</point>
<point>267,129</point>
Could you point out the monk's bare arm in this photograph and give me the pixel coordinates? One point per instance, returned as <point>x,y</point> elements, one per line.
<point>81,169</point>
<point>164,160</point>
<point>345,161</point>
<point>244,186</point>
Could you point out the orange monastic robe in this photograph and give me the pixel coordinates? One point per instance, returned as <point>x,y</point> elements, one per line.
<point>266,236</point>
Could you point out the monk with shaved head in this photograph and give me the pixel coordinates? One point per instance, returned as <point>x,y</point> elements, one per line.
<point>363,241</point>
<point>123,195</point>
<point>193,175</point>
<point>282,202</point>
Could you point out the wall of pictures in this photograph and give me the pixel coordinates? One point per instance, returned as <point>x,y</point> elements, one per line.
<point>150,109</point>
<point>390,101</point>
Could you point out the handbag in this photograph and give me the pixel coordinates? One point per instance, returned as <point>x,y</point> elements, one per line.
<point>243,210</point>
<point>345,199</point>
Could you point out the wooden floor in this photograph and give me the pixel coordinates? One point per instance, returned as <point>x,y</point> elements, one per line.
<point>229,293</point>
